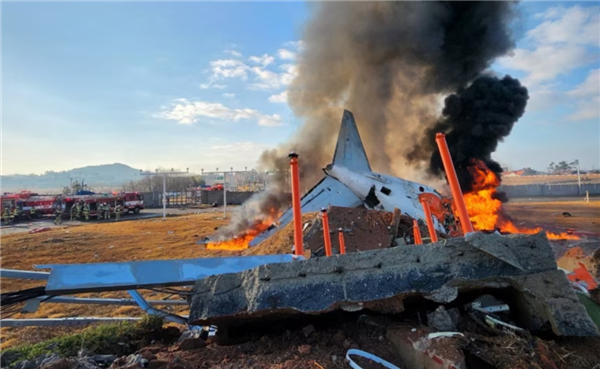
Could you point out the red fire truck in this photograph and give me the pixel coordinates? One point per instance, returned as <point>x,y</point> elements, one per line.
<point>24,200</point>
<point>46,204</point>
<point>129,201</point>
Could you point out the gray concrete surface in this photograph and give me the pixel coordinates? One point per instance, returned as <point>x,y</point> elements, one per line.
<point>47,221</point>
<point>381,279</point>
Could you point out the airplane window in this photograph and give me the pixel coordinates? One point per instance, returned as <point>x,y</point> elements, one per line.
<point>421,189</point>
<point>386,190</point>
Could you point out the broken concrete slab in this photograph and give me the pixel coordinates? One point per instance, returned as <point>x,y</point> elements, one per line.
<point>380,280</point>
<point>494,246</point>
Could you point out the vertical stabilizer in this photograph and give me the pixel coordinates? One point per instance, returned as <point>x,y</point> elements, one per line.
<point>349,150</point>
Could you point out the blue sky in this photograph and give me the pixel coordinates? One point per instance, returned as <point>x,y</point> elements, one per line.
<point>201,85</point>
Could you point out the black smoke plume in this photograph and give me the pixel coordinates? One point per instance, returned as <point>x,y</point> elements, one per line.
<point>475,119</point>
<point>389,63</point>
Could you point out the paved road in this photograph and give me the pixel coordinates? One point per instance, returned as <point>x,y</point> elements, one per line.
<point>551,199</point>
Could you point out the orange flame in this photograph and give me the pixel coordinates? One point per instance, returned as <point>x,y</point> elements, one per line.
<point>485,209</point>
<point>242,241</point>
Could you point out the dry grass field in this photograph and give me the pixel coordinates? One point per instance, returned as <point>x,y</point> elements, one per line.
<point>95,243</point>
<point>584,216</point>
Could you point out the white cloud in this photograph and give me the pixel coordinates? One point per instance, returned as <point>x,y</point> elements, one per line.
<point>587,97</point>
<point>286,54</point>
<point>574,25</point>
<point>267,80</point>
<point>188,112</point>
<point>205,86</point>
<point>559,44</point>
<point>262,60</point>
<point>229,95</point>
<point>297,45</point>
<point>228,68</point>
<point>263,78</point>
<point>237,54</point>
<point>547,62</point>
<point>279,98</point>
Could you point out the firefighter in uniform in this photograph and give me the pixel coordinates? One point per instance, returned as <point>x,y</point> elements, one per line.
<point>32,212</point>
<point>15,215</point>
<point>58,214</point>
<point>6,215</point>
<point>106,210</point>
<point>79,209</point>
<point>118,209</point>
<point>73,212</point>
<point>86,211</point>
<point>99,210</point>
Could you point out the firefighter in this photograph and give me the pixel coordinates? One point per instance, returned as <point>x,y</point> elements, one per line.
<point>73,212</point>
<point>79,209</point>
<point>32,212</point>
<point>15,215</point>
<point>118,209</point>
<point>99,210</point>
<point>6,215</point>
<point>86,211</point>
<point>106,210</point>
<point>58,214</point>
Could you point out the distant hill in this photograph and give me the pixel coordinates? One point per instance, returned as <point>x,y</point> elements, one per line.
<point>107,175</point>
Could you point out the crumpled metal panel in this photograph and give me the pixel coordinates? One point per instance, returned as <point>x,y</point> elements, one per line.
<point>78,278</point>
<point>328,192</point>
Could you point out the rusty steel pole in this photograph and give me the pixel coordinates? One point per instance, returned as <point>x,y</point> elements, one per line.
<point>342,242</point>
<point>429,219</point>
<point>326,235</point>
<point>459,200</point>
<point>296,208</point>
<point>417,233</point>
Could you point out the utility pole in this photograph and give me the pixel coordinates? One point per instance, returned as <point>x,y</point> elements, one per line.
<point>578,175</point>
<point>164,175</point>
<point>224,194</point>
<point>576,163</point>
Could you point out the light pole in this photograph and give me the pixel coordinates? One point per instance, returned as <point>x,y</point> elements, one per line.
<point>578,175</point>
<point>164,175</point>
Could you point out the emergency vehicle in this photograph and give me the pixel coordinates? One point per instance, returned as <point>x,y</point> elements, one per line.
<point>9,201</point>
<point>129,201</point>
<point>24,200</point>
<point>46,204</point>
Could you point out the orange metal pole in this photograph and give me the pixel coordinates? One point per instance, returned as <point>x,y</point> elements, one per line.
<point>342,242</point>
<point>326,235</point>
<point>432,233</point>
<point>417,232</point>
<point>296,208</point>
<point>459,200</point>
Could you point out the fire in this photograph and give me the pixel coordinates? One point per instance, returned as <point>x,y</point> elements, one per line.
<point>242,241</point>
<point>485,209</point>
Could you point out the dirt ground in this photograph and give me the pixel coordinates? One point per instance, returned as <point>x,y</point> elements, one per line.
<point>584,216</point>
<point>176,238</point>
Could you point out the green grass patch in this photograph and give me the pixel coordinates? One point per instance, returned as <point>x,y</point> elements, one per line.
<point>116,338</point>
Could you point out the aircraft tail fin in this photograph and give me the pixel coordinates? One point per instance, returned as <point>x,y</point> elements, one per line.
<point>349,150</point>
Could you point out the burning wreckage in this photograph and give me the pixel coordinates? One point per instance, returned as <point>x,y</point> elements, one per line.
<point>366,274</point>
